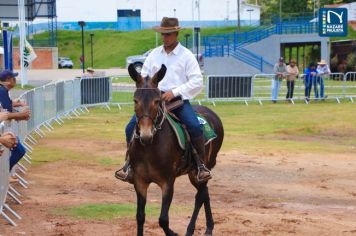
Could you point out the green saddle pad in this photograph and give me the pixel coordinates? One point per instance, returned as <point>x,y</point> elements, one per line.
<point>208,131</point>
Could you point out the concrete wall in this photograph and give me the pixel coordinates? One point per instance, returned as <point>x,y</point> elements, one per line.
<point>47,58</point>
<point>227,66</point>
<point>270,48</point>
<point>187,10</point>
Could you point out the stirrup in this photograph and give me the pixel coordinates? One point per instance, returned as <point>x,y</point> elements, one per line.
<point>125,176</point>
<point>203,167</point>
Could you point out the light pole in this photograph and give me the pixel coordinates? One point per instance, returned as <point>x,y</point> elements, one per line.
<point>91,51</point>
<point>82,24</point>
<point>186,40</point>
<point>174,11</point>
<point>156,24</point>
<point>280,11</point>
<point>238,16</point>
<point>197,34</point>
<point>249,11</point>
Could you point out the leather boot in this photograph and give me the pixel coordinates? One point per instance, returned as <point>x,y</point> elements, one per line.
<point>125,173</point>
<point>199,154</point>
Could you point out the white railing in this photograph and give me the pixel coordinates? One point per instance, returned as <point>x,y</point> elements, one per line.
<point>336,86</point>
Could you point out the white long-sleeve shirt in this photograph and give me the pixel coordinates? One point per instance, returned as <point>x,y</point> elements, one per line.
<point>323,70</point>
<point>183,74</point>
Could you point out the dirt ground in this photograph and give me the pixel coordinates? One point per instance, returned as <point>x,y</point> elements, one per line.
<point>269,194</point>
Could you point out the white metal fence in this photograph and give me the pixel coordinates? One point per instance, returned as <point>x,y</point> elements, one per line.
<point>50,103</point>
<point>336,86</point>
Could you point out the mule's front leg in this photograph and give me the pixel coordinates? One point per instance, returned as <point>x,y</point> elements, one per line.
<point>167,195</point>
<point>141,193</point>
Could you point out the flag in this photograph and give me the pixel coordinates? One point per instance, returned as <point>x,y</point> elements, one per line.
<point>10,62</point>
<point>29,54</point>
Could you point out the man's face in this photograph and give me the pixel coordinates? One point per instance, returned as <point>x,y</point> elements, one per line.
<point>169,39</point>
<point>281,63</point>
<point>12,82</point>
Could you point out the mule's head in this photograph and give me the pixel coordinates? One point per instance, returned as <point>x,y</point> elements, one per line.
<point>147,100</point>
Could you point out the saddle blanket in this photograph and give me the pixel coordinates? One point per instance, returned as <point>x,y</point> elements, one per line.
<point>208,131</point>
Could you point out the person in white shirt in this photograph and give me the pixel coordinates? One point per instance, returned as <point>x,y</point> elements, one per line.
<point>183,80</point>
<point>292,73</point>
<point>322,70</point>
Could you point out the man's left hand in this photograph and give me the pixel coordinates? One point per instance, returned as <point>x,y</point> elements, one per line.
<point>168,96</point>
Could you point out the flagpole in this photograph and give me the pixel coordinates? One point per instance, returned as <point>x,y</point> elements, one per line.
<point>22,30</point>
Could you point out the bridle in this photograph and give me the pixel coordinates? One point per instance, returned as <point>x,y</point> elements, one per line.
<point>157,124</point>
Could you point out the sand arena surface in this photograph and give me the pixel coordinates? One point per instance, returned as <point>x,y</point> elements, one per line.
<point>269,194</point>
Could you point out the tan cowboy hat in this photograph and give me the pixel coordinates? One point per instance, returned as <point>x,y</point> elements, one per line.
<point>168,25</point>
<point>89,69</point>
<point>322,62</point>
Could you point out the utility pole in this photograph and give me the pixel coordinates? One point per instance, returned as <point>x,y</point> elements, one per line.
<point>280,11</point>
<point>156,24</point>
<point>82,24</point>
<point>91,50</point>
<point>238,16</point>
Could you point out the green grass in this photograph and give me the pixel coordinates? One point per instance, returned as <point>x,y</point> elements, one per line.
<point>107,212</point>
<point>320,127</point>
<point>112,47</point>
<point>26,87</point>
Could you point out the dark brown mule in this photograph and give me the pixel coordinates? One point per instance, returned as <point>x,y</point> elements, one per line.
<point>156,156</point>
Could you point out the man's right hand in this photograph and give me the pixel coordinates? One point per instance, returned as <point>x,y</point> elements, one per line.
<point>26,114</point>
<point>4,116</point>
<point>8,139</point>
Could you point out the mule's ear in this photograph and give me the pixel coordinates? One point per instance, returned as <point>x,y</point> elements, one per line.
<point>135,75</point>
<point>159,75</point>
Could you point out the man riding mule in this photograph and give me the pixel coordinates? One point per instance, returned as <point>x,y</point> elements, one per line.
<point>183,79</point>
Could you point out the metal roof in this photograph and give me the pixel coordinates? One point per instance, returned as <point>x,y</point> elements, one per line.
<point>34,9</point>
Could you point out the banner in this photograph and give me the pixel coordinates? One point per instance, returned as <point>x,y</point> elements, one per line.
<point>29,54</point>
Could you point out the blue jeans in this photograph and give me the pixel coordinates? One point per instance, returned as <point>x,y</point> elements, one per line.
<point>17,153</point>
<point>186,115</point>
<point>308,82</point>
<point>316,81</point>
<point>276,85</point>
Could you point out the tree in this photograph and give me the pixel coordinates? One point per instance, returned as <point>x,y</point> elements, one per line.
<point>292,8</point>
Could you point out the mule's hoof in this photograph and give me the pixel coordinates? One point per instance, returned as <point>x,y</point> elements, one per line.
<point>172,233</point>
<point>209,232</point>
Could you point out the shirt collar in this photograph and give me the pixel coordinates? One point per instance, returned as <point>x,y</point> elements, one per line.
<point>175,51</point>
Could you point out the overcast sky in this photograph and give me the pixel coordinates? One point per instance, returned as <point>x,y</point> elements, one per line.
<point>87,10</point>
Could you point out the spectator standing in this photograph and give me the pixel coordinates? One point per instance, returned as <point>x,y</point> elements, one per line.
<point>322,71</point>
<point>280,70</point>
<point>90,73</point>
<point>310,74</point>
<point>293,72</point>
<point>7,82</point>
<point>81,59</point>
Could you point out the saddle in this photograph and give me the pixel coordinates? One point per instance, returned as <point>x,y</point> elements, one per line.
<point>180,130</point>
